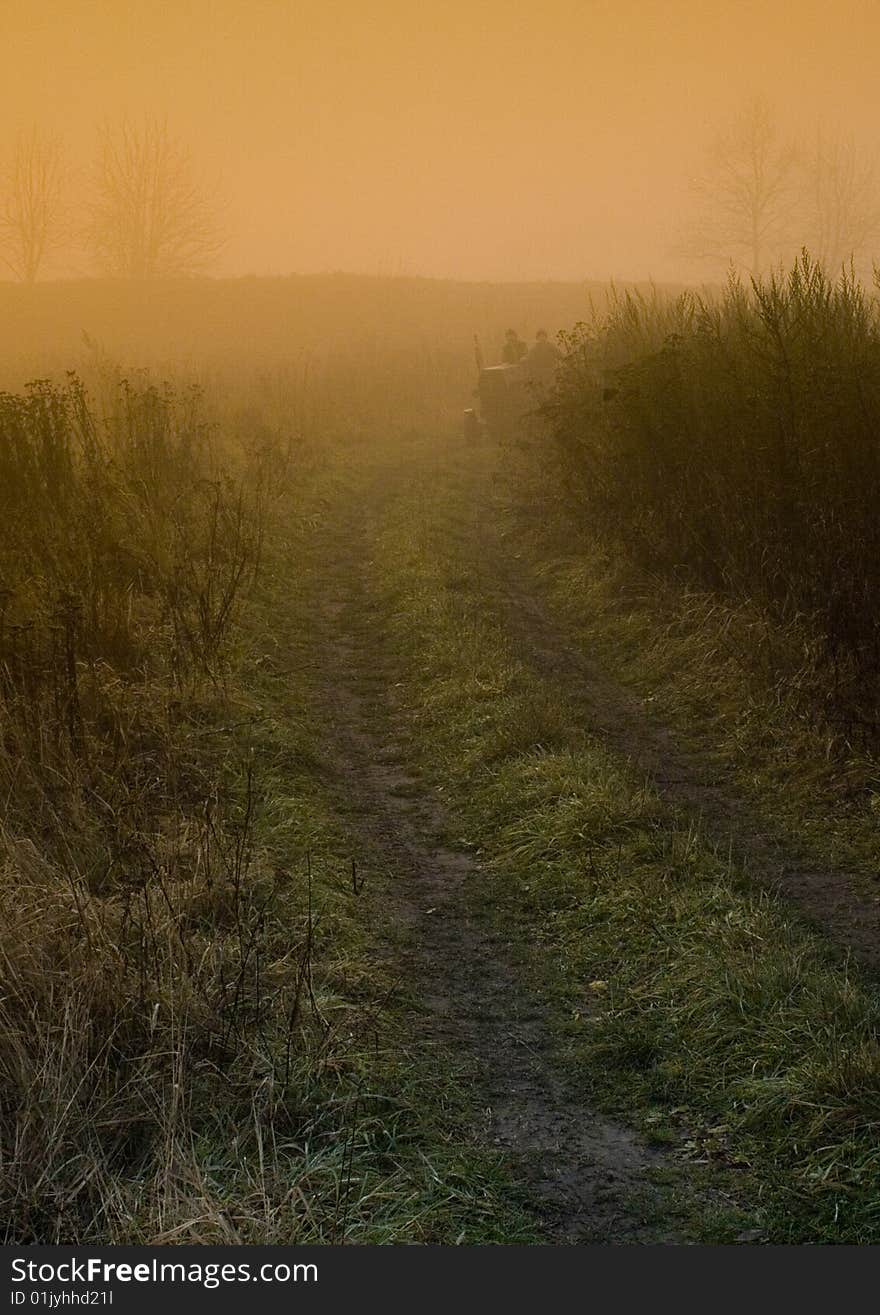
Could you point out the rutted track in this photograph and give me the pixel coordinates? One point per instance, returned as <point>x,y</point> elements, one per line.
<point>448,551</point>
<point>588,1176</point>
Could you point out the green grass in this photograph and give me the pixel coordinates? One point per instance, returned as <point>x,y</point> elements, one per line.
<point>732,682</point>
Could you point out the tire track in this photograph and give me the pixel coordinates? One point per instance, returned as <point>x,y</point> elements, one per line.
<point>589,1176</point>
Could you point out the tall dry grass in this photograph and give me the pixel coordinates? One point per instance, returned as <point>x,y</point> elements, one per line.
<point>736,440</point>
<point>140,978</point>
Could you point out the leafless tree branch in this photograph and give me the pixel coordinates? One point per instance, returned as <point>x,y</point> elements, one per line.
<point>841,197</point>
<point>151,216</point>
<point>745,195</point>
<point>33,213</point>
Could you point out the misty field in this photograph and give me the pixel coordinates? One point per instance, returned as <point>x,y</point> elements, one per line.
<point>417,838</point>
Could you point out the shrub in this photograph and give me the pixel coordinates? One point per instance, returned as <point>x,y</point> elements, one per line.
<point>736,439</point>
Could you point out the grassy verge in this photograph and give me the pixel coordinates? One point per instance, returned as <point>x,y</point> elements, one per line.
<point>691,1003</point>
<point>727,678</point>
<point>708,482</point>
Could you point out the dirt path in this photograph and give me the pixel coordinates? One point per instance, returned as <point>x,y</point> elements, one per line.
<point>588,1176</point>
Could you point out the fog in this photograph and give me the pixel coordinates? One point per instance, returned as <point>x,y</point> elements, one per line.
<point>474,141</point>
<point>439,626</point>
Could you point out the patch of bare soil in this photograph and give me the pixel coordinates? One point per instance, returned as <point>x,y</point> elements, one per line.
<point>833,900</point>
<point>588,1176</point>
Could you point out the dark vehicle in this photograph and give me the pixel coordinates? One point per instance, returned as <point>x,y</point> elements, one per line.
<point>510,395</point>
<point>505,399</point>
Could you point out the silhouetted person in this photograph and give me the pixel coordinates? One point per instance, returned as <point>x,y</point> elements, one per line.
<point>514,348</point>
<point>543,357</point>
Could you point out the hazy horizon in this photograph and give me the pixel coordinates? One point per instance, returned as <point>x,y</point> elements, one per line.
<point>495,142</point>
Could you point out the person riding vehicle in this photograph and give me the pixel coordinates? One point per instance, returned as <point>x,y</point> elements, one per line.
<point>514,348</point>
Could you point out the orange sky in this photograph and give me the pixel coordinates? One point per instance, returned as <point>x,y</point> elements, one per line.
<point>468,138</point>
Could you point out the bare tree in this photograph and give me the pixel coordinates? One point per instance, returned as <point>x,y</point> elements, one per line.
<point>33,210</point>
<point>745,194</point>
<point>151,215</point>
<point>841,198</point>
